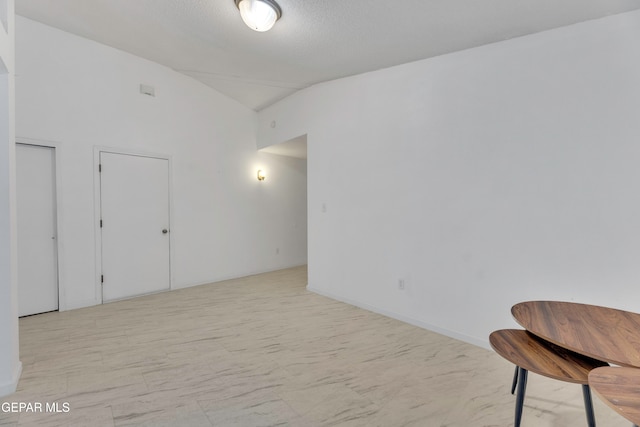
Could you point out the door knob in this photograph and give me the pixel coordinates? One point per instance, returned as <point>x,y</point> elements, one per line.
<point>165,231</point>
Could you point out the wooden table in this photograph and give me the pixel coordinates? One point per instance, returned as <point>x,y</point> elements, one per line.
<point>601,333</point>
<point>620,389</point>
<point>530,353</point>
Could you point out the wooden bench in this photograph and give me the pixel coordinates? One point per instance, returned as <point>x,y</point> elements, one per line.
<point>530,353</point>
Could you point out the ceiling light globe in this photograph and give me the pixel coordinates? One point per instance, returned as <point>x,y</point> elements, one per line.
<point>259,15</point>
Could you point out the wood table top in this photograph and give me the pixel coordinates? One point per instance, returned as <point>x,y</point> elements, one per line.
<point>527,351</point>
<point>620,389</point>
<point>601,333</point>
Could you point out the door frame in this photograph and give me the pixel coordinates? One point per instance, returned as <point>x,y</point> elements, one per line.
<point>60,257</point>
<point>97,149</point>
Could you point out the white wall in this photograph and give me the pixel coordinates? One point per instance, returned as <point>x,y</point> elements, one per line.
<point>482,178</point>
<point>81,95</point>
<point>10,366</point>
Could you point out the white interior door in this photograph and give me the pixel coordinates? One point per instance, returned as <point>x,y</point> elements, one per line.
<point>134,198</point>
<point>37,246</point>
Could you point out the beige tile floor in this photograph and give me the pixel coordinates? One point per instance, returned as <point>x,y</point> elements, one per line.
<point>263,351</point>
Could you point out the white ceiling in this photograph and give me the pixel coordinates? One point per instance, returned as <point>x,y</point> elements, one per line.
<point>315,41</point>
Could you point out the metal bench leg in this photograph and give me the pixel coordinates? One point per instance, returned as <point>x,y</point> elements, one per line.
<point>515,379</point>
<point>522,387</point>
<point>588,405</point>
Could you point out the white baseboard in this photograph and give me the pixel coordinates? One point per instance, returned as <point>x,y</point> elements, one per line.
<point>233,277</point>
<point>9,388</point>
<point>403,318</point>
<point>74,305</point>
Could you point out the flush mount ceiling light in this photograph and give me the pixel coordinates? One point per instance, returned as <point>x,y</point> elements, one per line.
<point>259,15</point>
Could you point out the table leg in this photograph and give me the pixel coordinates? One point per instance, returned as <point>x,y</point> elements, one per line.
<point>515,379</point>
<point>588,405</point>
<point>522,387</point>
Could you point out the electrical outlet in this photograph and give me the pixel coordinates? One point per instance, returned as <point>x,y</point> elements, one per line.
<point>277,251</point>
<point>401,284</point>
<point>147,90</point>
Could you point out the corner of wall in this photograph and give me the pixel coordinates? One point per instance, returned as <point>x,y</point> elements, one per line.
<point>10,387</point>
<point>10,366</point>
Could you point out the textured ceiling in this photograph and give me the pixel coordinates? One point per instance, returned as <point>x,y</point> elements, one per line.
<point>315,41</point>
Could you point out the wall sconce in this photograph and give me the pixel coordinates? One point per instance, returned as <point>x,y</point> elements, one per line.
<point>261,175</point>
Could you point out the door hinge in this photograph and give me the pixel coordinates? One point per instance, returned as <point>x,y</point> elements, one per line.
<point>100,223</point>
<point>102,278</point>
<point>100,168</point>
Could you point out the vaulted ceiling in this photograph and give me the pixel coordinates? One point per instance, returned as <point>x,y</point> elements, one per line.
<point>314,41</point>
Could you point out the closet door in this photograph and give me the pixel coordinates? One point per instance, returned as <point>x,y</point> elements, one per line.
<point>37,232</point>
<point>134,198</point>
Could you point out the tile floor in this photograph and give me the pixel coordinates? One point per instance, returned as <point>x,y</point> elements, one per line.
<point>263,351</point>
